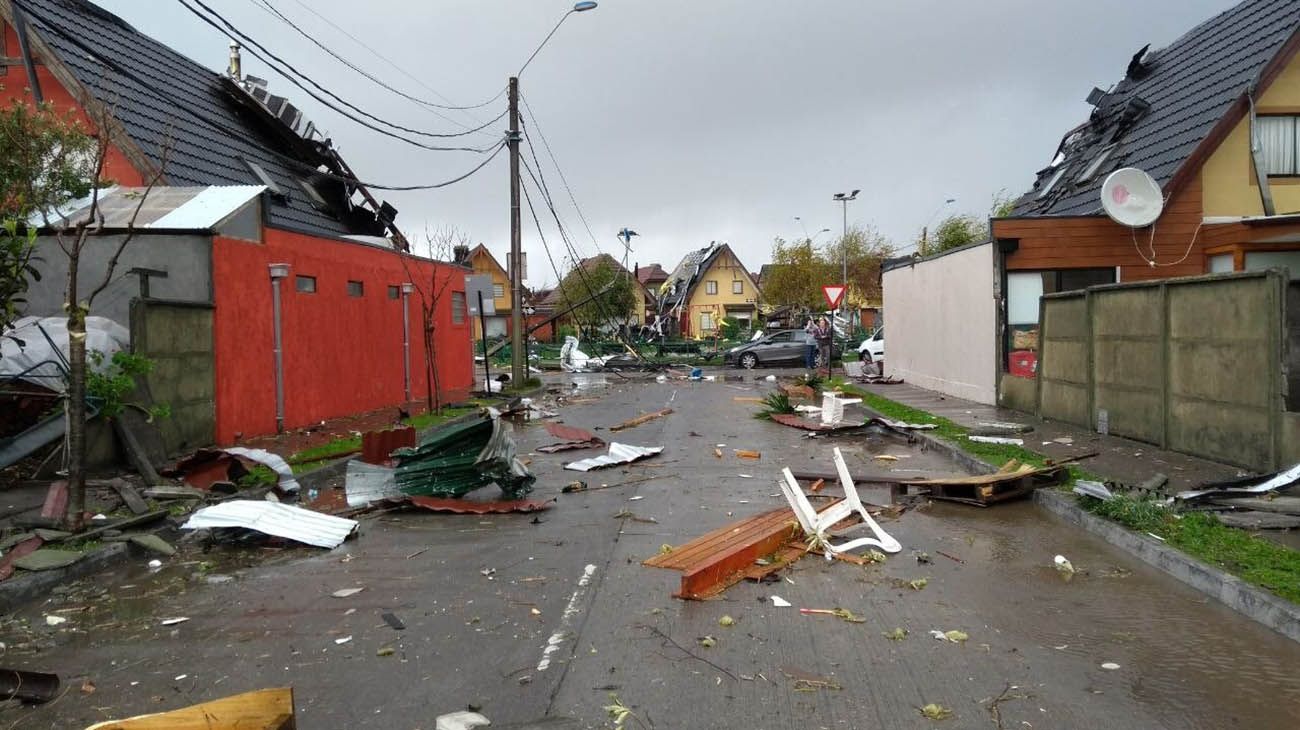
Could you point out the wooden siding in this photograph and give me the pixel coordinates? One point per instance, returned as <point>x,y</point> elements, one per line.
<point>1098,242</point>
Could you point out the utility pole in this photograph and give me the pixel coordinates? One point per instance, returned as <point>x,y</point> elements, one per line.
<point>518,356</point>
<point>843,199</point>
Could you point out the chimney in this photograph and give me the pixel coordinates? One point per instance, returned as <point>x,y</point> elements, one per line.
<point>234,71</point>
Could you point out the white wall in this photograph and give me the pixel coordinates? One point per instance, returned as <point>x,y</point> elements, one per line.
<point>941,324</point>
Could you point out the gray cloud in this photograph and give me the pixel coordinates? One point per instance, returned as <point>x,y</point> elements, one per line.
<point>712,119</point>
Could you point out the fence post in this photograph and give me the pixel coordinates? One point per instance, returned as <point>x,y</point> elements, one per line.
<point>1165,375</point>
<point>1092,359</point>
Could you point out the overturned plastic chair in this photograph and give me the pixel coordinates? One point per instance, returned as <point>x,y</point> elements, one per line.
<point>817,525</point>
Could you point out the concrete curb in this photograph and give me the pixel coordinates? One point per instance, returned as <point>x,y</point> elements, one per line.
<point>27,587</point>
<point>933,443</point>
<point>1255,603</point>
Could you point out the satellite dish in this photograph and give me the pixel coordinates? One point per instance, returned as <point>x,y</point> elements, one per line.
<point>1132,198</point>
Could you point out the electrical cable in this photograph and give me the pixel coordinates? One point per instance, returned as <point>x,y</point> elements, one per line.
<point>266,5</point>
<point>149,88</point>
<point>292,75</point>
<point>549,257</point>
<point>533,118</point>
<point>399,69</point>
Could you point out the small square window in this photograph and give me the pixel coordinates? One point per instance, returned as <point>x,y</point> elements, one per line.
<point>737,287</point>
<point>458,307</point>
<point>394,292</point>
<point>706,318</point>
<point>305,284</point>
<point>710,287</point>
<point>356,289</point>
<point>499,291</point>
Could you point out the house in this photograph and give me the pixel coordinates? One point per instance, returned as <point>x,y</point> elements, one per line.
<point>651,277</point>
<point>708,285</point>
<point>1186,114</point>
<point>256,231</point>
<point>578,279</point>
<point>481,260</point>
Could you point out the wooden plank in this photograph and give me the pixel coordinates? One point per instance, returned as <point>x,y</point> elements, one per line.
<point>267,709</point>
<point>130,497</point>
<point>728,566</point>
<point>633,423</point>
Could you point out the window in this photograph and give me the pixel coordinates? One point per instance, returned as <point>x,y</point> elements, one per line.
<point>737,287</point>
<point>305,284</point>
<point>394,292</point>
<point>1024,288</point>
<point>1051,183</point>
<point>498,291</point>
<point>1258,260</point>
<point>786,336</point>
<point>356,289</point>
<point>1277,140</point>
<point>710,287</point>
<point>1221,263</point>
<point>1094,167</point>
<point>458,307</point>
<point>706,318</point>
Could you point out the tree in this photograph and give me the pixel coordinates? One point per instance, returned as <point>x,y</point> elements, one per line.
<point>864,249</point>
<point>615,301</point>
<point>46,159</point>
<point>440,245</point>
<point>799,271</point>
<point>963,229</point>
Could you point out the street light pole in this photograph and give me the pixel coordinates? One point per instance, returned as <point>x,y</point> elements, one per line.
<point>844,253</point>
<point>518,354</point>
<point>518,358</point>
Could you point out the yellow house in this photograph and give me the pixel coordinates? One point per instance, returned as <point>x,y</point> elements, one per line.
<point>484,263</point>
<point>708,285</point>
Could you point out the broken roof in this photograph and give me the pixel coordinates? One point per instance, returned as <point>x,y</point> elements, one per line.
<point>1165,106</point>
<point>166,101</point>
<point>171,208</point>
<point>684,276</point>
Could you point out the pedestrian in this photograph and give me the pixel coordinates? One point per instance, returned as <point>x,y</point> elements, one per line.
<point>810,351</point>
<point>824,333</point>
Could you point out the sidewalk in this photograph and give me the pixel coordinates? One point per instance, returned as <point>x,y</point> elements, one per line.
<point>1120,459</point>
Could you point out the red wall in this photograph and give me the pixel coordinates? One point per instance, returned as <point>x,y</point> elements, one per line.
<point>342,354</point>
<point>13,85</point>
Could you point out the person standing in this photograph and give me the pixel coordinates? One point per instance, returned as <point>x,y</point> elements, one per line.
<point>823,333</point>
<point>810,351</point>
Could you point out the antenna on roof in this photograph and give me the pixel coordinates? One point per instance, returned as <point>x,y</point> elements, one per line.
<point>1132,198</point>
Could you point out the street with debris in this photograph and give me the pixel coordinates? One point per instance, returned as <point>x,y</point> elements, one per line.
<point>546,619</point>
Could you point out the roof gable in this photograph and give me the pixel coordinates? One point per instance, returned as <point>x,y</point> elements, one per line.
<point>481,250</point>
<point>167,102</point>
<point>693,266</point>
<point>1160,113</point>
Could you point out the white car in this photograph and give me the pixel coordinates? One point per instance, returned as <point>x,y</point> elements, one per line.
<point>872,349</point>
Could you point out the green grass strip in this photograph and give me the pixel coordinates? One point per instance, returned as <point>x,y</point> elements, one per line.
<point>1254,559</point>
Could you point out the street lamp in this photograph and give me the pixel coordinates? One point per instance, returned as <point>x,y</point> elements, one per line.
<point>518,355</point>
<point>925,230</point>
<point>844,199</point>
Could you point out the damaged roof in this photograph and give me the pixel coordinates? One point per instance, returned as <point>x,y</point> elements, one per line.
<point>1166,104</point>
<point>687,273</point>
<point>166,101</point>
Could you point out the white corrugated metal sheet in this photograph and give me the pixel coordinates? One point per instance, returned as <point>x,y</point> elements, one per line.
<point>183,208</point>
<point>212,205</point>
<point>273,518</point>
<point>618,454</point>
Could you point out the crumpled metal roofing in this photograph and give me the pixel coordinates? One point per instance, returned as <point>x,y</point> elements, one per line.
<point>618,454</point>
<point>273,518</point>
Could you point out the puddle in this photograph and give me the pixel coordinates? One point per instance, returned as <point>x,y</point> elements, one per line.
<point>588,381</point>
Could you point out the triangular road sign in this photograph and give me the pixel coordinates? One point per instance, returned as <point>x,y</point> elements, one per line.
<point>834,293</point>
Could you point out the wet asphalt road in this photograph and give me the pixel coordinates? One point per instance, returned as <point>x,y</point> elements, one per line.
<point>539,623</point>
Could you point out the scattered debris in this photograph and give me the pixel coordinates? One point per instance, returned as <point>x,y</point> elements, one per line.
<point>174,621</point>
<point>934,712</point>
<point>1109,665</point>
<point>918,584</point>
<point>809,682</point>
<point>343,640</point>
<point>618,454</point>
<point>997,440</point>
<point>345,592</point>
<point>368,483</point>
<point>634,422</point>
<point>1244,486</point>
<point>1096,490</point>
<point>1063,566</point>
<point>463,720</point>
<point>47,559</point>
<point>780,602</point>
<point>52,620</point>
<point>708,642</point>
<point>898,634</point>
<point>272,518</point>
<point>392,620</point>
<point>267,709</point>
<point>462,457</point>
<point>726,621</point>
<point>953,558</point>
<point>746,454</point>
<point>153,543</point>
<point>841,613</point>
<point>480,507</point>
<point>922,558</point>
<point>954,636</point>
<point>571,438</point>
<point>18,684</point>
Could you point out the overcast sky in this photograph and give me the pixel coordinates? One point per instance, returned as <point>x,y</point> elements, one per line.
<point>706,120</point>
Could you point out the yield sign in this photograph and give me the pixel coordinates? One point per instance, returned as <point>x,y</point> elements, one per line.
<point>834,294</point>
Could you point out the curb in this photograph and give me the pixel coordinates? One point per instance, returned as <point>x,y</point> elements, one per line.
<point>1255,603</point>
<point>932,443</point>
<point>23,589</point>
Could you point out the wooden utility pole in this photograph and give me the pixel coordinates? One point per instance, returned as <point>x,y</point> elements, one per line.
<point>518,356</point>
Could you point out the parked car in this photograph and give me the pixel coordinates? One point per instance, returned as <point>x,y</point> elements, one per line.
<point>787,347</point>
<point>872,349</point>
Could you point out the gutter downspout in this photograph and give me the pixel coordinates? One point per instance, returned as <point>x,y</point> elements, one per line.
<point>406,340</point>
<point>24,47</point>
<point>278,272</point>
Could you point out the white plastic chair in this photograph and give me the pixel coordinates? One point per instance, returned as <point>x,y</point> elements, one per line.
<point>818,524</point>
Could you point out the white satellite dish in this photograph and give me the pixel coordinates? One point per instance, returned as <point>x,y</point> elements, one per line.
<point>1132,198</point>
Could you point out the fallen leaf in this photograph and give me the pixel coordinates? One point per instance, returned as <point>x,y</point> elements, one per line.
<point>345,592</point>
<point>708,642</point>
<point>876,556</point>
<point>665,548</point>
<point>919,583</point>
<point>956,636</point>
<point>726,621</point>
<point>385,651</point>
<point>87,687</point>
<point>897,634</point>
<point>935,712</point>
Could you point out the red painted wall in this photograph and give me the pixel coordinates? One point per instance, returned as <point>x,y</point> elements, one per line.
<point>13,85</point>
<point>342,354</point>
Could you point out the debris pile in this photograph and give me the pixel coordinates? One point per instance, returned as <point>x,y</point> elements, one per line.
<point>458,459</point>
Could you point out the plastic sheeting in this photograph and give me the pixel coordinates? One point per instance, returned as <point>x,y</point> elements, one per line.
<point>618,454</point>
<point>23,346</point>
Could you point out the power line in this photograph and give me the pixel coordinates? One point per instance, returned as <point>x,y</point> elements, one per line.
<point>275,62</point>
<point>399,69</point>
<point>533,118</point>
<point>432,106</point>
<point>149,88</point>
